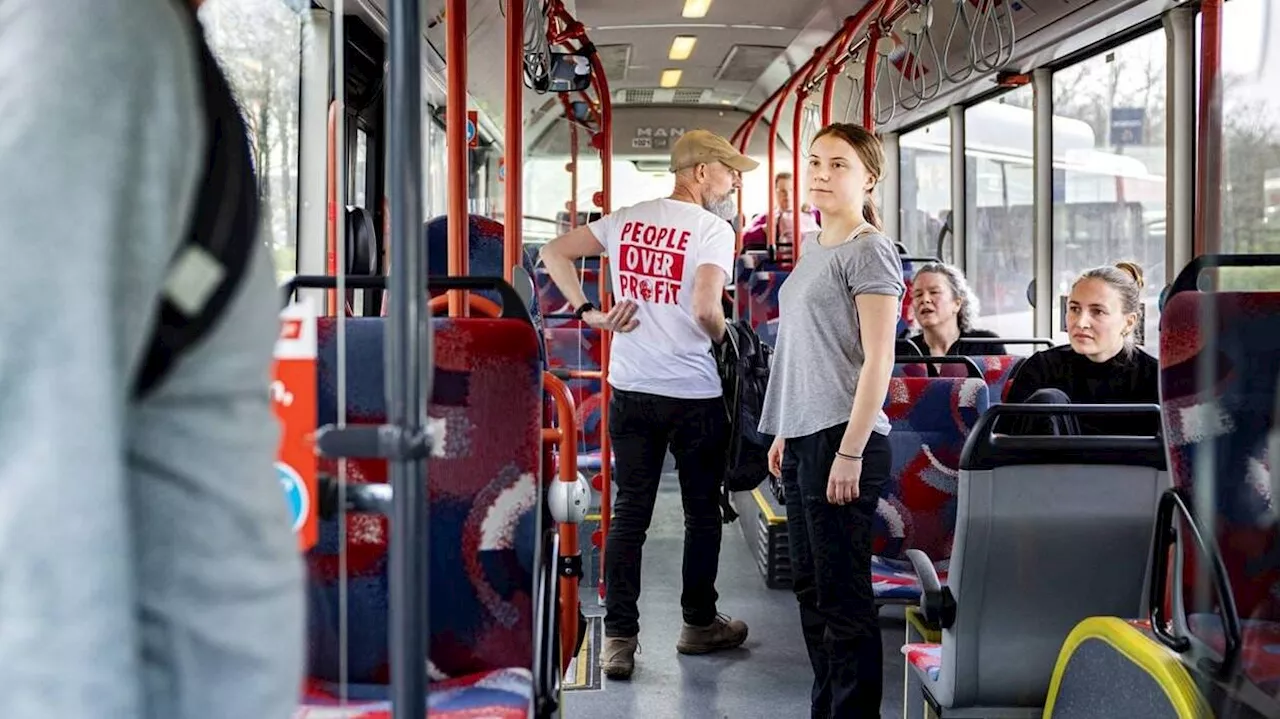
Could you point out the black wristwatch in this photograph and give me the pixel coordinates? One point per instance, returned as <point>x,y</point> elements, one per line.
<point>582,310</point>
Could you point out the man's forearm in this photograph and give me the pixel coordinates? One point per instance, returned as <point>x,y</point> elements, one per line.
<point>565,276</point>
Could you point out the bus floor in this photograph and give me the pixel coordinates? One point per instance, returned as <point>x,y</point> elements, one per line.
<point>769,676</point>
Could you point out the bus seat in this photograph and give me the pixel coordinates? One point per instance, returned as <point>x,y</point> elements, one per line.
<point>1109,667</point>
<point>1034,515</point>
<point>762,292</point>
<point>553,300</point>
<point>1227,424</point>
<point>907,317</point>
<point>484,500</point>
<point>485,240</point>
<point>579,347</point>
<point>997,370</point>
<point>930,419</point>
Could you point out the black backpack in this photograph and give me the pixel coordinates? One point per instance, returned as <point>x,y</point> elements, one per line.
<point>206,269</point>
<point>744,363</point>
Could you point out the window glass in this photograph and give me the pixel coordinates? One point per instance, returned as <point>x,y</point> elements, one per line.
<point>999,189</point>
<point>258,43</point>
<point>1109,171</point>
<point>925,187</point>
<point>1251,140</point>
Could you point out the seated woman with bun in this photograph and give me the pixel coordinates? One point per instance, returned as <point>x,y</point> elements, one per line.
<point>944,308</point>
<point>1102,365</point>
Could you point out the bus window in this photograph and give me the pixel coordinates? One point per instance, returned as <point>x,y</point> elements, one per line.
<point>1000,229</point>
<point>1251,140</point>
<point>259,43</point>
<point>925,172</point>
<point>1109,195</point>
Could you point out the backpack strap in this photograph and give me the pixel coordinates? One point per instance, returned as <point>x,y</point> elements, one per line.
<point>205,271</point>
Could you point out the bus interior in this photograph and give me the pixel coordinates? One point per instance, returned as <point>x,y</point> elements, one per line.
<point>456,482</point>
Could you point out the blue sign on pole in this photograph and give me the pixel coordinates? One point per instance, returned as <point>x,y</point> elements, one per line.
<point>1127,124</point>
<point>295,493</point>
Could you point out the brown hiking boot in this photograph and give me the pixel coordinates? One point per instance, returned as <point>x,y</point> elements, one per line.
<point>618,656</point>
<point>723,633</point>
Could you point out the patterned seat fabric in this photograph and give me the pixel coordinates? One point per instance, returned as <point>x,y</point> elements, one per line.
<point>762,296</point>
<point>997,370</point>
<point>925,659</point>
<point>553,301</point>
<point>907,316</point>
<point>1228,421</point>
<point>579,347</point>
<point>895,581</point>
<point>484,259</point>
<point>484,499</point>
<point>499,694</point>
<point>931,418</point>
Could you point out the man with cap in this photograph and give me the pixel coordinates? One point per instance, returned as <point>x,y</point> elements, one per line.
<point>671,259</point>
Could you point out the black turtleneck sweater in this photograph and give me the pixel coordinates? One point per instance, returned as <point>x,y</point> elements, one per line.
<point>1131,377</point>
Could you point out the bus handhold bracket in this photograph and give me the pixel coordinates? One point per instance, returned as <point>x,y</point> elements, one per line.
<point>570,566</point>
<point>383,441</point>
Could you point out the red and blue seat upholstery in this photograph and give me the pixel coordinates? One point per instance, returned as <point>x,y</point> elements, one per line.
<point>762,297</point>
<point>484,496</point>
<point>1217,439</point>
<point>931,417</point>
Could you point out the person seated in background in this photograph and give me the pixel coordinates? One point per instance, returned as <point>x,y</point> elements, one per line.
<point>1101,365</point>
<point>944,308</point>
<point>756,237</point>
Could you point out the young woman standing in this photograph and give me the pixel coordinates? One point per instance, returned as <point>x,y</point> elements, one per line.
<point>838,316</point>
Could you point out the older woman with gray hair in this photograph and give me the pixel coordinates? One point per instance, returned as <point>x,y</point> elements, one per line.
<point>944,308</point>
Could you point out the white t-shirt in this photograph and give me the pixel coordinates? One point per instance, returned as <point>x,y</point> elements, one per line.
<point>656,248</point>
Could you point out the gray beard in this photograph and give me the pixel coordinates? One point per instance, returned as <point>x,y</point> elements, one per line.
<point>726,208</point>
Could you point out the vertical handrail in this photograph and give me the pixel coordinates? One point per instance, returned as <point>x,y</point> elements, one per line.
<point>791,83</point>
<point>565,436</point>
<point>604,144</point>
<point>797,117</point>
<point>331,201</point>
<point>869,69</point>
<point>513,238</point>
<point>1208,238</point>
<point>456,141</point>
<point>409,368</point>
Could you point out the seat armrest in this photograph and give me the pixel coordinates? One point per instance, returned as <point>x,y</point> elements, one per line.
<point>937,605</point>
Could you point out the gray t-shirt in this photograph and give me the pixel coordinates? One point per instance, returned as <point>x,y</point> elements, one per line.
<point>819,354</point>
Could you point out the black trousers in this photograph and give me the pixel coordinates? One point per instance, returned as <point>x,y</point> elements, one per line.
<point>1054,425</point>
<point>831,573</point>
<point>642,427</point>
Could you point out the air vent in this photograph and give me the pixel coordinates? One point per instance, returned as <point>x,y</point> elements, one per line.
<point>616,61</point>
<point>639,96</point>
<point>688,96</point>
<point>746,63</point>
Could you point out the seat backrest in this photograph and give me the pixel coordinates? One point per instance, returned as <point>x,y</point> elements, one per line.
<point>575,346</point>
<point>485,240</point>
<point>484,497</point>
<point>930,418</point>
<point>1049,531</point>
<point>1218,435</point>
<point>997,370</point>
<point>762,291</point>
<point>905,316</point>
<point>553,300</point>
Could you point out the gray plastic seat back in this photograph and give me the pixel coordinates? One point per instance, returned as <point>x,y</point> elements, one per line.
<point>1050,530</point>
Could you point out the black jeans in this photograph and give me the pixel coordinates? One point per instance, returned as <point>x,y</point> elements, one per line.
<point>831,573</point>
<point>1052,425</point>
<point>642,427</point>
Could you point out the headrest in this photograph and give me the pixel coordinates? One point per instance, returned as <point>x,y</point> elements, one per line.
<point>364,259</point>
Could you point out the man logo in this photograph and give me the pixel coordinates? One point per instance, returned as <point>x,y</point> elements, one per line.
<point>295,494</point>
